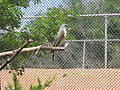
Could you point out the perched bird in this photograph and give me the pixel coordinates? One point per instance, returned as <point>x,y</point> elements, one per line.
<point>60,38</point>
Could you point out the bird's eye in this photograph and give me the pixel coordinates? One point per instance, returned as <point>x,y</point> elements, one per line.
<point>66,25</point>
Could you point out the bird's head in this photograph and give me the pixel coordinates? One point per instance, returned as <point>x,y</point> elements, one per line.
<point>64,25</point>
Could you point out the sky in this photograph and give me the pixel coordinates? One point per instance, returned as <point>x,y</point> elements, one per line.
<point>33,9</point>
<point>42,6</point>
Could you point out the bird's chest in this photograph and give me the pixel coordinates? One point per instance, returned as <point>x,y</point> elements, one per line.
<point>65,33</point>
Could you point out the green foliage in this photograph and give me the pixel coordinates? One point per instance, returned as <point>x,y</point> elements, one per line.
<point>110,6</point>
<point>40,85</point>
<point>49,81</point>
<point>43,29</point>
<point>37,87</point>
<point>114,28</point>
<point>10,20</point>
<point>10,17</point>
<point>10,13</point>
<point>77,6</point>
<point>16,85</point>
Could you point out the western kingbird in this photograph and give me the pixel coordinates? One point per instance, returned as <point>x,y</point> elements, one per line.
<point>60,38</point>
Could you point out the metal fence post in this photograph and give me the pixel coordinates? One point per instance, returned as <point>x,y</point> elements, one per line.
<point>83,66</point>
<point>106,39</point>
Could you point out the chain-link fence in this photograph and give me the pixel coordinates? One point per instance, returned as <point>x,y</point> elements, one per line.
<point>93,34</point>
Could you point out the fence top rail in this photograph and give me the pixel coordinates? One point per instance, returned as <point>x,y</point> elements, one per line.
<point>84,15</point>
<point>87,40</point>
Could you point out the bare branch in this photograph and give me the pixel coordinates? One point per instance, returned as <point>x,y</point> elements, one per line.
<point>15,54</point>
<point>8,53</point>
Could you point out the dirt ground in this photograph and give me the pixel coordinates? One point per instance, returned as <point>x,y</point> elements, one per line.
<point>77,79</point>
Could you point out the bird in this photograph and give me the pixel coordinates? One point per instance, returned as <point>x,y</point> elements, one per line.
<point>60,38</point>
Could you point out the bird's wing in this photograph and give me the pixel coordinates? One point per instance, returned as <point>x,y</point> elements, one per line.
<point>58,39</point>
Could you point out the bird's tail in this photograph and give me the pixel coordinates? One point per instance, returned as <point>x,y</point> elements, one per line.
<point>53,55</point>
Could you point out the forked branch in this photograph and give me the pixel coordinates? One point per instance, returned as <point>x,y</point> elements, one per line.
<point>8,53</point>
<point>15,54</point>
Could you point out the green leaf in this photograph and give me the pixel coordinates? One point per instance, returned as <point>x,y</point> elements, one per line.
<point>49,81</point>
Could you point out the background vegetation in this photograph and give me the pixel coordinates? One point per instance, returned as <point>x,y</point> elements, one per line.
<point>43,29</point>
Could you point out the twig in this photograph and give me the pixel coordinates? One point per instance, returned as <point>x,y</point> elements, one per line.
<point>15,54</point>
<point>66,44</point>
<point>37,51</point>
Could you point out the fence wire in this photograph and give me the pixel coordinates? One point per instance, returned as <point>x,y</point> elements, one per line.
<point>93,35</point>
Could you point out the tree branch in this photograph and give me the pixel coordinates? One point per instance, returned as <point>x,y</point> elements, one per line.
<point>8,53</point>
<point>15,53</point>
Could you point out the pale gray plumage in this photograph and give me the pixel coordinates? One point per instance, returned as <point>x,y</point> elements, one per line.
<point>60,36</point>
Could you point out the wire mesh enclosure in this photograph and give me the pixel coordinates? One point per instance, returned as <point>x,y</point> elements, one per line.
<point>92,44</point>
<point>93,34</point>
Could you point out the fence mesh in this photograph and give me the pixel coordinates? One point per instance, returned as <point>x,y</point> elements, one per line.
<point>93,34</point>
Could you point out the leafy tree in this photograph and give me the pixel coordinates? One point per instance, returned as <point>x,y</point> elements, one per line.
<point>10,20</point>
<point>93,27</point>
<point>10,13</point>
<point>43,29</point>
<point>16,86</point>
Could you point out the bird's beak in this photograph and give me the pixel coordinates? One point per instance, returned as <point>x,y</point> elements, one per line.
<point>67,26</point>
